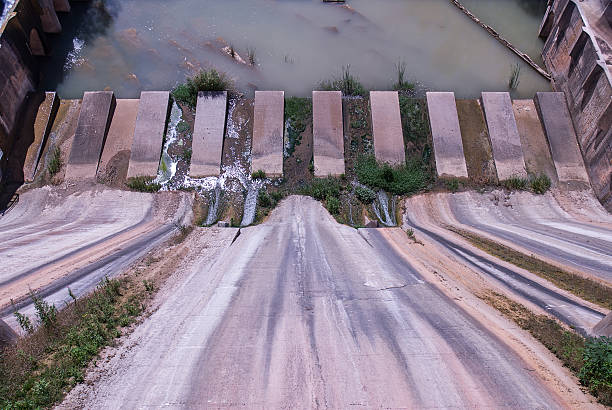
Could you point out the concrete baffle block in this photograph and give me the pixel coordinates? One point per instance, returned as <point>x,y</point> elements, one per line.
<point>504,134</point>
<point>268,126</point>
<point>208,132</point>
<point>446,133</point>
<point>42,127</point>
<point>535,147</point>
<point>94,120</point>
<point>327,133</point>
<point>149,131</point>
<point>120,134</point>
<point>561,136</point>
<point>387,127</point>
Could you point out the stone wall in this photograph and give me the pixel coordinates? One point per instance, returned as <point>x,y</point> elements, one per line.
<point>578,54</point>
<point>23,41</point>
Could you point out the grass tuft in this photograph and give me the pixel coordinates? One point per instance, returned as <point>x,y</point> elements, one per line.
<point>347,83</point>
<point>514,80</point>
<point>205,80</point>
<point>399,180</point>
<point>540,184</point>
<point>143,184</point>
<point>515,183</point>
<point>56,162</point>
<point>259,174</point>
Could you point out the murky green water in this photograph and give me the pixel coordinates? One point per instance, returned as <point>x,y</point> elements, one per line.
<point>131,45</point>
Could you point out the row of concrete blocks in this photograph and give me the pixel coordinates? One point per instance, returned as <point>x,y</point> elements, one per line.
<point>106,126</point>
<point>546,117</point>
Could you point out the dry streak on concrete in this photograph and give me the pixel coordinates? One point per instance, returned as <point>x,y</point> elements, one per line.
<point>535,147</point>
<point>327,133</point>
<point>562,139</point>
<point>42,127</point>
<point>208,134</point>
<point>149,133</point>
<point>505,139</point>
<point>387,126</point>
<point>94,120</point>
<point>268,125</point>
<point>448,147</point>
<point>120,133</point>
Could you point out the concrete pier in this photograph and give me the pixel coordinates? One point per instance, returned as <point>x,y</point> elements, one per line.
<point>268,126</point>
<point>561,138</point>
<point>42,127</point>
<point>448,146</point>
<point>94,120</point>
<point>120,134</point>
<point>327,130</point>
<point>535,148</point>
<point>505,138</point>
<point>387,127</point>
<point>208,133</point>
<point>149,133</point>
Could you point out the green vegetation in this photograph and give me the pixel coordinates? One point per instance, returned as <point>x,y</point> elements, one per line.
<point>186,156</point>
<point>515,183</point>
<point>540,183</point>
<point>514,80</point>
<point>590,359</point>
<point>298,112</point>
<point>323,188</point>
<point>259,174</point>
<point>206,80</point>
<point>143,184</point>
<point>38,370</point>
<point>56,161</point>
<point>182,126</point>
<point>583,287</point>
<point>399,180</point>
<point>402,84</point>
<point>452,184</point>
<point>365,195</point>
<point>333,205</point>
<point>415,125</point>
<point>347,83</point>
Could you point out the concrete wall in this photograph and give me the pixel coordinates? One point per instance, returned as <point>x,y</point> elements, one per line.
<point>578,54</point>
<point>23,40</point>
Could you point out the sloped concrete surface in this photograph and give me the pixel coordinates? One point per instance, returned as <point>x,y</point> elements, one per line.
<point>208,134</point>
<point>387,127</point>
<point>120,134</point>
<point>149,131</point>
<point>562,139</point>
<point>268,127</point>
<point>448,146</point>
<point>327,133</point>
<point>96,113</point>
<point>504,134</point>
<point>42,127</point>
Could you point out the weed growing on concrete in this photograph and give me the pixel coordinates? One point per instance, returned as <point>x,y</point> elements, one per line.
<point>514,80</point>
<point>206,80</point>
<point>143,184</point>
<point>347,83</point>
<point>515,183</point>
<point>412,236</point>
<point>580,286</point>
<point>590,359</point>
<point>259,174</point>
<point>56,161</point>
<point>399,180</point>
<point>540,183</point>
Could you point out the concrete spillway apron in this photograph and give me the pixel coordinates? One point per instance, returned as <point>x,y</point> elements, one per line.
<point>327,133</point>
<point>448,146</point>
<point>42,127</point>
<point>387,127</point>
<point>149,133</point>
<point>121,132</point>
<point>268,125</point>
<point>504,134</point>
<point>208,133</point>
<point>94,120</point>
<point>561,138</point>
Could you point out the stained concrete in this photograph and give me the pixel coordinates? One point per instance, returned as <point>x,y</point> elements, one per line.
<point>42,127</point>
<point>149,133</point>
<point>328,138</point>
<point>504,134</point>
<point>448,146</point>
<point>562,139</point>
<point>208,133</point>
<point>535,147</point>
<point>121,132</point>
<point>94,120</point>
<point>268,125</point>
<point>387,127</point>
